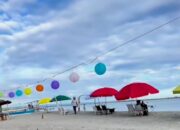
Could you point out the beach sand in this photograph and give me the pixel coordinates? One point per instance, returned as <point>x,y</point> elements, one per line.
<point>90,121</point>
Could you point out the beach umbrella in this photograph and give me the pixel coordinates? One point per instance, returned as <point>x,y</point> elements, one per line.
<point>104,92</point>
<point>44,101</point>
<point>60,98</point>
<point>176,90</point>
<point>4,102</point>
<point>135,90</point>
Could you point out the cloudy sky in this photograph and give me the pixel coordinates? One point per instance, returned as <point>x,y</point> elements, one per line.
<point>41,38</point>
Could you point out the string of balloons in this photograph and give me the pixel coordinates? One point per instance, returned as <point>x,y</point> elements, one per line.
<point>74,77</point>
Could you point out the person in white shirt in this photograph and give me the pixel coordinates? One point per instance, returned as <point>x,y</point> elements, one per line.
<point>74,104</point>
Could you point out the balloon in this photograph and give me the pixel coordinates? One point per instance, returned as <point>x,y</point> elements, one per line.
<point>19,93</point>
<point>100,68</point>
<point>39,88</point>
<point>74,77</point>
<point>1,94</point>
<point>28,91</point>
<point>11,94</point>
<point>55,84</point>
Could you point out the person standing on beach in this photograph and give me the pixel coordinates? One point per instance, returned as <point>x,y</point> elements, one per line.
<point>74,104</point>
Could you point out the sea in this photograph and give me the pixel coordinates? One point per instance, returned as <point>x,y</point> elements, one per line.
<point>155,105</point>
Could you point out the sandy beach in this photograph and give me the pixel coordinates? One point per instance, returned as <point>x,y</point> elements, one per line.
<point>90,121</point>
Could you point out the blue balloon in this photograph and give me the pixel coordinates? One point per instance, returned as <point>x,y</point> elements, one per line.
<point>100,68</point>
<point>19,93</point>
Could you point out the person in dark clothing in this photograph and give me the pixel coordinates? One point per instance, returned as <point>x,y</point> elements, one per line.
<point>145,108</point>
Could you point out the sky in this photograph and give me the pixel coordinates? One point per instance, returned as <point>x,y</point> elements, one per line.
<point>41,38</point>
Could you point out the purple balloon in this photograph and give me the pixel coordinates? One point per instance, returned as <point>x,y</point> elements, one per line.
<point>11,94</point>
<point>55,84</point>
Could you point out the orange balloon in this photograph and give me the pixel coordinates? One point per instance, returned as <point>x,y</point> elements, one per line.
<point>39,88</point>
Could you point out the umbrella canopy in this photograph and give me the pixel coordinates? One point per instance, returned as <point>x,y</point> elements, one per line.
<point>3,102</point>
<point>104,92</point>
<point>135,90</point>
<point>60,98</point>
<point>44,101</point>
<point>176,90</point>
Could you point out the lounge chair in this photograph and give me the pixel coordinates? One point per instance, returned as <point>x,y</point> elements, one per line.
<point>135,111</point>
<point>3,116</point>
<point>107,110</point>
<point>98,110</point>
<point>139,110</point>
<point>63,111</point>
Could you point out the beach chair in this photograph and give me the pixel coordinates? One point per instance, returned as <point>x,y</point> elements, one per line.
<point>98,110</point>
<point>64,111</point>
<point>139,110</point>
<point>104,109</point>
<point>107,110</point>
<point>135,111</point>
<point>3,116</point>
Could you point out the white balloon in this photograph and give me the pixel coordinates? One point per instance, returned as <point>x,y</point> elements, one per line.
<point>74,77</point>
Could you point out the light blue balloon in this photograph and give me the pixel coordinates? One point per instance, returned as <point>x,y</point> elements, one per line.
<point>100,68</point>
<point>19,93</point>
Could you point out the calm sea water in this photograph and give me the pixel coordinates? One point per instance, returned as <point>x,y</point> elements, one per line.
<point>172,104</point>
<point>167,104</point>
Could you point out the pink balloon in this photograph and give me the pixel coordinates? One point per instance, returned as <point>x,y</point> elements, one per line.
<point>74,77</point>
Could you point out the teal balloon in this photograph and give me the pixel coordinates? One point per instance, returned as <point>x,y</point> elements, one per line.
<point>19,93</point>
<point>100,68</point>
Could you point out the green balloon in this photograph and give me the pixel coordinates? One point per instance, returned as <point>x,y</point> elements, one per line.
<point>1,94</point>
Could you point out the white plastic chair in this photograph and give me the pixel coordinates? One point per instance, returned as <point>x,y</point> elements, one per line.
<point>137,110</point>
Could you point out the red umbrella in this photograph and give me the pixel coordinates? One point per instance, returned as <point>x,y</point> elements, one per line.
<point>104,92</point>
<point>135,90</point>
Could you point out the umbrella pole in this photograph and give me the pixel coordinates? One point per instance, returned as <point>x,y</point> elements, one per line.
<point>57,105</point>
<point>8,110</point>
<point>99,101</point>
<point>61,108</point>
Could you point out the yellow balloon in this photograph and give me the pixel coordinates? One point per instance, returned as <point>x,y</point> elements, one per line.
<point>28,91</point>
